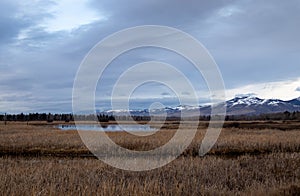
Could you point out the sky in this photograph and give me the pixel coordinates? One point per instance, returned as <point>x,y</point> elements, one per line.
<point>43,42</point>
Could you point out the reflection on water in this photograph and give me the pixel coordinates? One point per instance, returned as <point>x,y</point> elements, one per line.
<point>91,127</point>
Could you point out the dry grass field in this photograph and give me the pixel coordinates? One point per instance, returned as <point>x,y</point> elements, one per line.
<point>42,160</point>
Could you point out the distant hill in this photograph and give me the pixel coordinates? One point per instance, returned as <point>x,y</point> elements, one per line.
<point>240,105</point>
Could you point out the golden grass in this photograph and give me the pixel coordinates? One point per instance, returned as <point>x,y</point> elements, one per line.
<point>20,138</point>
<point>41,160</point>
<point>273,173</point>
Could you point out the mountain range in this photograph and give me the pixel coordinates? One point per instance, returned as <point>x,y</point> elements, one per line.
<point>240,105</point>
<point>249,105</point>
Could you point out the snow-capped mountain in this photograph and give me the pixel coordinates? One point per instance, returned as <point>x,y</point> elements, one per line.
<point>240,105</point>
<point>295,101</point>
<point>250,105</point>
<point>244,100</point>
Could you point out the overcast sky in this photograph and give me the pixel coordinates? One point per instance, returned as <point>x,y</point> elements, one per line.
<point>42,43</point>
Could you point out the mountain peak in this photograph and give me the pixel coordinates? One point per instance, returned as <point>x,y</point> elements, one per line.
<point>244,99</point>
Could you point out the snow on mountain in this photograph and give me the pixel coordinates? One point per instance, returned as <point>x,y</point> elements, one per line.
<point>186,107</point>
<point>251,105</point>
<point>240,105</point>
<point>244,100</point>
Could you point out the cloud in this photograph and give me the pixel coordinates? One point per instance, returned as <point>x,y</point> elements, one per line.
<point>165,94</point>
<point>284,90</point>
<point>10,26</point>
<point>246,95</point>
<point>68,15</point>
<point>42,45</point>
<point>297,89</point>
<point>185,93</point>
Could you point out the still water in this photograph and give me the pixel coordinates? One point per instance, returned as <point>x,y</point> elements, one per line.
<point>90,127</point>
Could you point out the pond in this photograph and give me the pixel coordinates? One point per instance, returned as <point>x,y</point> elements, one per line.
<point>91,127</point>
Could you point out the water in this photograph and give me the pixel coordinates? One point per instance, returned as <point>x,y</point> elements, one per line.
<point>90,127</point>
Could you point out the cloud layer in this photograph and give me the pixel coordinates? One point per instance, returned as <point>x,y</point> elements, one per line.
<point>42,43</point>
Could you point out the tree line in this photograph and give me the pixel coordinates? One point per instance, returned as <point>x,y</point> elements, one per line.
<point>49,117</point>
<point>266,117</point>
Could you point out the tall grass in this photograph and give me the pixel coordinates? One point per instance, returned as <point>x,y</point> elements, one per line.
<point>41,160</point>
<point>273,173</point>
<point>20,138</point>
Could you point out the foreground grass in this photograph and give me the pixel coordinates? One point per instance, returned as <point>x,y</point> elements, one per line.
<point>266,174</point>
<point>41,160</point>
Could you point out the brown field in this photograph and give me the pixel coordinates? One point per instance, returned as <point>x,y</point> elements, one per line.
<point>247,160</point>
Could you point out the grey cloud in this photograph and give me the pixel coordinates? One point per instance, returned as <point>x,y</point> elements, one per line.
<point>297,89</point>
<point>185,93</point>
<point>165,94</point>
<point>174,13</point>
<point>257,43</point>
<point>13,18</point>
<point>247,45</point>
<point>16,84</point>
